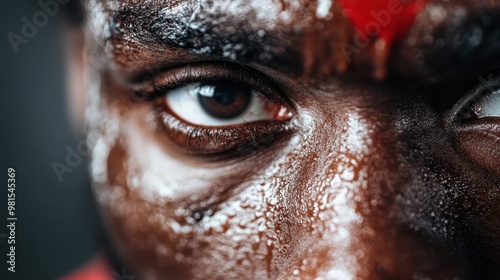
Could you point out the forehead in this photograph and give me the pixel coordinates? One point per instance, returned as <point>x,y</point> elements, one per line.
<point>275,31</point>
<point>269,14</point>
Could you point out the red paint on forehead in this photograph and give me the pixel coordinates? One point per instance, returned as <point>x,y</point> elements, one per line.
<point>389,20</point>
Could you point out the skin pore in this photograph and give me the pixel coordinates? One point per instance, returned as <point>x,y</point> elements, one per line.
<point>337,176</point>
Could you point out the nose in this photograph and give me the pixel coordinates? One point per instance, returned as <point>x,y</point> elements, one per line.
<point>352,219</point>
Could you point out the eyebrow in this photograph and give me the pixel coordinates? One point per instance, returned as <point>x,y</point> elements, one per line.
<point>187,27</point>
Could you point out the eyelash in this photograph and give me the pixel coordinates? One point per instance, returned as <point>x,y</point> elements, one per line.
<point>168,80</point>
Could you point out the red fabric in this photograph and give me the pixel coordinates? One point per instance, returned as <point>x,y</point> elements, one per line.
<point>97,269</point>
<point>393,17</point>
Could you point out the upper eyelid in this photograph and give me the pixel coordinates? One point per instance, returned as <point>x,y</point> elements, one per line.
<point>156,84</point>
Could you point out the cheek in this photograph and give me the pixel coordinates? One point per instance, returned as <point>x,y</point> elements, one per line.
<point>312,207</point>
<point>169,214</point>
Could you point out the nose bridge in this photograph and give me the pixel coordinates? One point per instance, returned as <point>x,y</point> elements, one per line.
<point>366,159</point>
<point>352,187</point>
<point>371,143</point>
<point>357,224</point>
<point>370,174</point>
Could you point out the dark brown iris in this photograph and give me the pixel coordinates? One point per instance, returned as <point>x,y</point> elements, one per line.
<point>224,100</point>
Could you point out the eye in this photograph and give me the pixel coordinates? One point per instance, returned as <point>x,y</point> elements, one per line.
<point>488,106</point>
<point>482,102</point>
<point>213,109</point>
<point>222,103</point>
<point>477,126</point>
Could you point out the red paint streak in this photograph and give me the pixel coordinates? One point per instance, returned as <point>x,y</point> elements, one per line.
<point>389,20</point>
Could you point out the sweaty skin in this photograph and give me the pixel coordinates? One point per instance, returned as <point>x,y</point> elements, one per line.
<point>366,180</point>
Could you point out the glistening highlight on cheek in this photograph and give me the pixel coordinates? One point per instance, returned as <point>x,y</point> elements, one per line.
<point>249,230</point>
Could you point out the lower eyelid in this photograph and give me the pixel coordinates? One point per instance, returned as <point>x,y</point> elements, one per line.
<point>210,141</point>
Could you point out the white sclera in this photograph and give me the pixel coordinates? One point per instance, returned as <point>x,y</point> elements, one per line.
<point>183,101</point>
<point>490,105</point>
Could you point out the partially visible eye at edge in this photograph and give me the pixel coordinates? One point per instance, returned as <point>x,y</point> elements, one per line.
<point>476,118</point>
<point>488,106</point>
<point>481,102</point>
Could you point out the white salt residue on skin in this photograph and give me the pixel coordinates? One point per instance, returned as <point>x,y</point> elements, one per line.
<point>103,131</point>
<point>223,16</point>
<point>357,132</point>
<point>98,19</point>
<point>267,12</point>
<point>333,202</point>
<point>156,174</point>
<point>260,13</point>
<point>340,196</point>
<point>323,9</point>
<point>345,218</point>
<point>191,21</point>
<point>246,225</point>
<point>98,166</point>
<point>98,144</point>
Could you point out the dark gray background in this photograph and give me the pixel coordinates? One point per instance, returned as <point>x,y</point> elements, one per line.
<point>57,228</point>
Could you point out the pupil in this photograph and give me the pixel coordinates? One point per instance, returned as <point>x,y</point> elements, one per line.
<point>224,100</point>
<point>224,96</point>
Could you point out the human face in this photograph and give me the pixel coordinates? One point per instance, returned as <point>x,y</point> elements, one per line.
<point>262,139</point>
